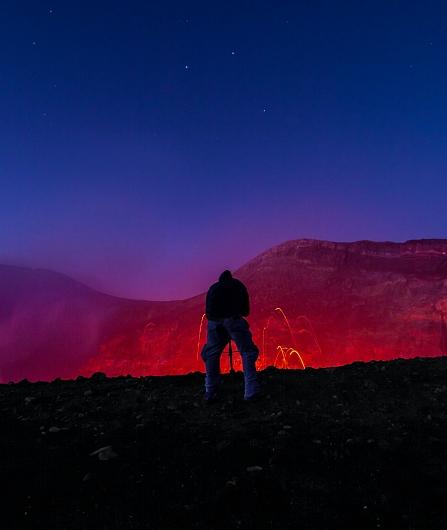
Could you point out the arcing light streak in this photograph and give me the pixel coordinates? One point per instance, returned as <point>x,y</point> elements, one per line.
<point>294,349</point>
<point>287,322</point>
<point>264,329</point>
<point>144,337</point>
<point>200,335</point>
<point>283,351</point>
<point>311,332</point>
<point>262,360</point>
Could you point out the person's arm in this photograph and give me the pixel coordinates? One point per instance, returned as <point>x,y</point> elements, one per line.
<point>245,302</point>
<point>208,304</point>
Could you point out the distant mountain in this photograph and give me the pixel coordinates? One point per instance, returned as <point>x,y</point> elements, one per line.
<point>314,303</point>
<point>48,323</point>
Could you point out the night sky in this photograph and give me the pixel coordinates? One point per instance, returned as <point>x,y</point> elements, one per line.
<point>146,146</point>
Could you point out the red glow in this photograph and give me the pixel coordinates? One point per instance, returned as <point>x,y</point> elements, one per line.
<point>314,304</point>
<point>284,343</point>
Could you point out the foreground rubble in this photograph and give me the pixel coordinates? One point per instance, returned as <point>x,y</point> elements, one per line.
<point>362,445</point>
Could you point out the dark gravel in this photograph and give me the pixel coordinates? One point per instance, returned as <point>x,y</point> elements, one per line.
<point>362,446</point>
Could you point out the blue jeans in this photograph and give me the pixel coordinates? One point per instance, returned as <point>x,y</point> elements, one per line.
<point>219,334</point>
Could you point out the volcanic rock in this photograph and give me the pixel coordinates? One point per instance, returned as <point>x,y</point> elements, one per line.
<point>314,303</point>
<point>377,461</point>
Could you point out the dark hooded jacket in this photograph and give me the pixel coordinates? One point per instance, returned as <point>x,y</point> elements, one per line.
<point>227,298</point>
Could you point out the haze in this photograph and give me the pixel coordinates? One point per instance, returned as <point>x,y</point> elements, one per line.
<point>143,149</point>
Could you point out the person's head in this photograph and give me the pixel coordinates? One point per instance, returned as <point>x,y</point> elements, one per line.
<point>225,276</point>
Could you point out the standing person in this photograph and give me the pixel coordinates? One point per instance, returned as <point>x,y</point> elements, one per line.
<point>226,304</point>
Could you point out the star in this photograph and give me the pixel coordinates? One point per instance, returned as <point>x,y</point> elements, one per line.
<point>233,53</point>
<point>186,66</point>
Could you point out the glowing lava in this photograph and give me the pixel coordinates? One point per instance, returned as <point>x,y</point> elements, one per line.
<point>340,303</point>
<point>285,354</point>
<point>280,356</point>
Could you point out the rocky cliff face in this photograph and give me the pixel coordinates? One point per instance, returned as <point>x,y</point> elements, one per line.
<point>363,300</point>
<point>314,303</point>
<point>331,303</point>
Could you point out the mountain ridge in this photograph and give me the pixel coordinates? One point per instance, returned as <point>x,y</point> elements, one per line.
<point>342,301</point>
<point>438,247</point>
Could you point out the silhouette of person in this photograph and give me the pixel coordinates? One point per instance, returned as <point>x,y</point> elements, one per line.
<point>227,303</point>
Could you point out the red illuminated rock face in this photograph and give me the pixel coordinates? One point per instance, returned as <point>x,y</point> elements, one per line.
<point>365,300</point>
<point>343,302</point>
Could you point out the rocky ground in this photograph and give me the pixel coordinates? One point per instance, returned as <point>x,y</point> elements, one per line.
<point>362,446</point>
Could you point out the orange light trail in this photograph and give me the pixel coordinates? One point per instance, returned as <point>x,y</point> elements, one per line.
<point>288,323</point>
<point>144,338</point>
<point>283,351</point>
<point>200,334</point>
<point>311,332</point>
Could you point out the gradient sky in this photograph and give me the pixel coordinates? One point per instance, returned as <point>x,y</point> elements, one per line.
<point>146,146</point>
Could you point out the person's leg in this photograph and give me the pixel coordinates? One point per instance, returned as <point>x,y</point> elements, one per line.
<point>239,331</point>
<point>217,338</point>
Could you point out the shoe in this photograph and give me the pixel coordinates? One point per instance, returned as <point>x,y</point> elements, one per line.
<point>210,397</point>
<point>254,397</point>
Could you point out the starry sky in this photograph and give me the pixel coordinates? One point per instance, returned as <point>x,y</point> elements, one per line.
<point>146,146</point>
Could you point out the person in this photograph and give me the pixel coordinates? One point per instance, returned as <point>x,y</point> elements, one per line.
<point>227,303</point>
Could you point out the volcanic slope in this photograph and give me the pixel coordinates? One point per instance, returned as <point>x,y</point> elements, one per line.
<point>360,446</point>
<point>50,325</point>
<point>333,303</point>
